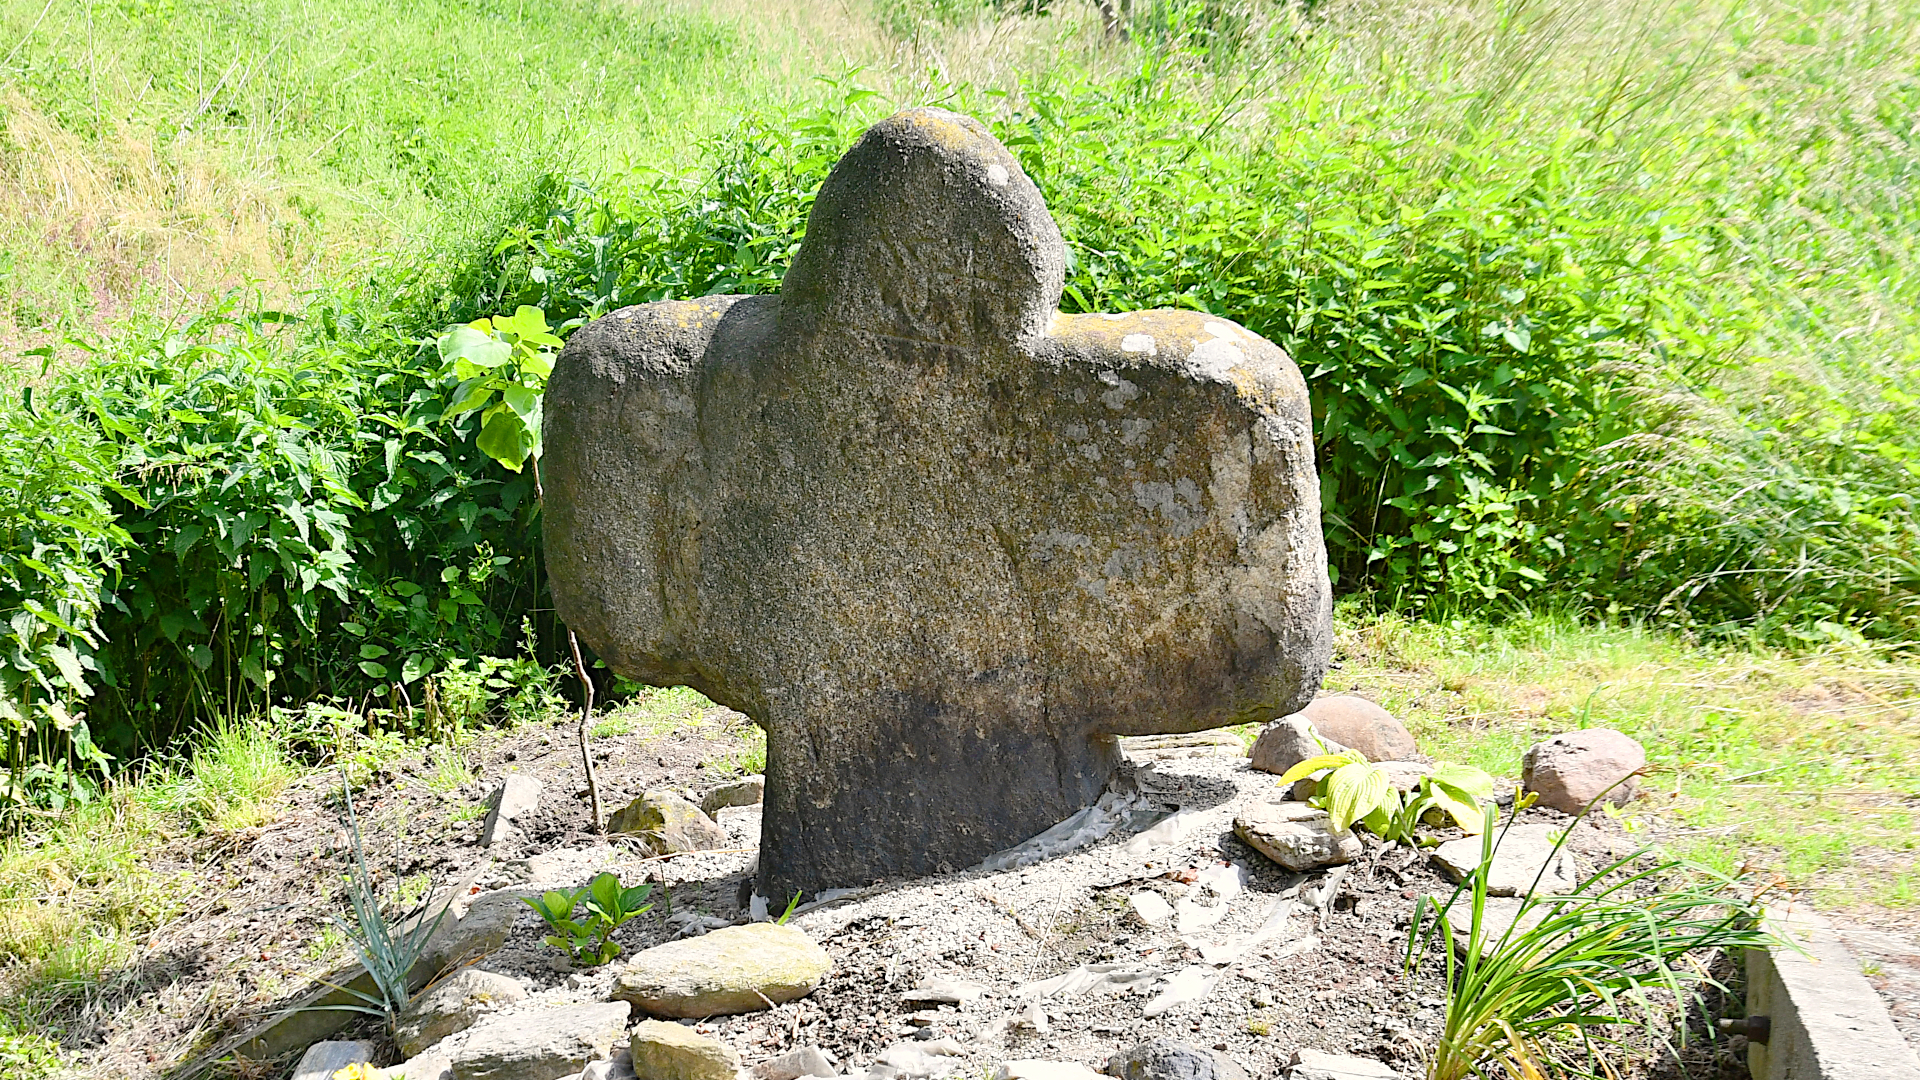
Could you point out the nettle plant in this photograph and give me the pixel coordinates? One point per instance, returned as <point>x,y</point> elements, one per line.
<point>1353,790</point>
<point>588,939</point>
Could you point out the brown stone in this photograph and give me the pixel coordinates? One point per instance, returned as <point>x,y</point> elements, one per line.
<point>1571,770</point>
<point>1361,724</point>
<point>944,542</point>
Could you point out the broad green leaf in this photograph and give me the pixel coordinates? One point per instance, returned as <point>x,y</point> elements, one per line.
<point>373,670</point>
<point>1464,779</point>
<point>474,346</point>
<point>506,440</point>
<point>521,400</point>
<point>370,651</point>
<point>1353,791</point>
<point>415,666</point>
<point>1464,812</point>
<point>1314,764</point>
<point>69,664</point>
<point>539,365</point>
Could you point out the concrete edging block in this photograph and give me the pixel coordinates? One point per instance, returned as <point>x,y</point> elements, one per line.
<point>1825,1021</point>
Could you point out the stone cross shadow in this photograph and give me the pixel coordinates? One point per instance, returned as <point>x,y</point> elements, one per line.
<point>943,542</point>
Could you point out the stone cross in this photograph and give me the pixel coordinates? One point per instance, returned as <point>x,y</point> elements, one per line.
<point>943,542</point>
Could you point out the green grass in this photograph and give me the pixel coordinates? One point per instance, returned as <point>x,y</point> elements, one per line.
<point>1802,765</point>
<point>654,712</point>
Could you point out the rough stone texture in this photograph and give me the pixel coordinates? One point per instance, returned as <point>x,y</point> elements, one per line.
<point>323,1059</point>
<point>905,511</point>
<point>665,1051</point>
<point>1517,861</point>
<point>1171,1059</point>
<point>453,1005</point>
<point>668,824</point>
<point>1187,745</point>
<point>935,989</point>
<point>542,1045</point>
<point>1296,835</point>
<point>1571,770</point>
<point>1363,725</point>
<point>1289,741</point>
<point>1039,1069</point>
<point>434,1066</point>
<point>1318,1065</point>
<point>515,796</point>
<point>732,970</point>
<point>806,1061</point>
<point>1826,1022</point>
<point>747,791</point>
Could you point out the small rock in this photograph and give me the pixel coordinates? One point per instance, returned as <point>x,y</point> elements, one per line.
<point>666,1051</point>
<point>1361,724</point>
<point>1517,861</point>
<point>735,969</point>
<point>1295,835</point>
<point>1150,908</point>
<point>668,824</point>
<point>1315,1065</point>
<point>745,792</point>
<point>516,796</point>
<point>541,1045</point>
<point>1571,770</point>
<point>806,1061</point>
<point>1036,1069</point>
<point>453,1005</point>
<point>323,1059</point>
<point>620,1067</point>
<point>919,1061</point>
<point>943,991</point>
<point>1287,742</point>
<point>1171,1059</point>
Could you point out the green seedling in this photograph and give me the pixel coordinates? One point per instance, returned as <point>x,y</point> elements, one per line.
<point>607,905</point>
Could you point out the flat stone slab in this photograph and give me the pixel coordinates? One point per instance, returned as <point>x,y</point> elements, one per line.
<point>1319,1065</point>
<point>1295,835</point>
<point>544,1045</point>
<point>1525,861</point>
<point>516,797</point>
<point>731,970</point>
<point>1825,1021</point>
<point>944,542</point>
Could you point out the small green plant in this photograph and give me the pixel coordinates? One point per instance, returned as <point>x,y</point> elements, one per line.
<point>1574,963</point>
<point>588,940</point>
<point>1352,789</point>
<point>502,364</point>
<point>388,951</point>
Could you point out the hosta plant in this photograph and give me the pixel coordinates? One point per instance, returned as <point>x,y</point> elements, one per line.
<point>1351,789</point>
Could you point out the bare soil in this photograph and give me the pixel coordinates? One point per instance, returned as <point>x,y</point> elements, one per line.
<point>1331,975</point>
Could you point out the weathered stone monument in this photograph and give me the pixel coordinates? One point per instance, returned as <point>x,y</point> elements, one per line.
<point>942,541</point>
